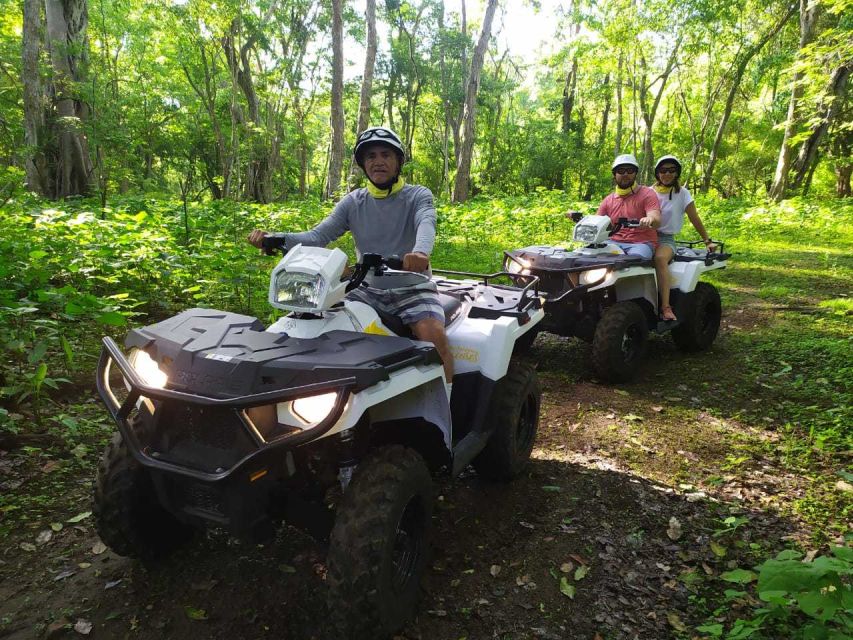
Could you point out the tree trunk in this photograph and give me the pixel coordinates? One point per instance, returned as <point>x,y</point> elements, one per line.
<point>67,45</point>
<point>463,169</point>
<point>736,77</point>
<point>617,148</point>
<point>807,158</point>
<point>336,149</point>
<point>569,96</point>
<point>842,146</point>
<point>366,81</point>
<point>808,20</point>
<point>649,112</point>
<point>35,162</point>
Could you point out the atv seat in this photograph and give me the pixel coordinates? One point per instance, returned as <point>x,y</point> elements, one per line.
<point>452,308</point>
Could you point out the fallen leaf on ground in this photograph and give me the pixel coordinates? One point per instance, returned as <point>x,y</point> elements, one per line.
<point>674,529</point>
<point>83,627</point>
<point>56,526</point>
<point>44,537</point>
<point>843,486</point>
<point>675,622</point>
<point>580,572</point>
<point>567,567</point>
<point>28,546</point>
<point>49,466</point>
<point>195,614</point>
<point>495,569</point>
<point>112,583</point>
<point>62,575</point>
<point>718,549</point>
<point>98,548</point>
<point>79,517</point>
<point>567,588</point>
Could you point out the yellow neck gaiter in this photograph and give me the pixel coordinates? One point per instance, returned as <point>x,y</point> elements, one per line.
<point>662,189</point>
<point>627,191</point>
<point>379,194</point>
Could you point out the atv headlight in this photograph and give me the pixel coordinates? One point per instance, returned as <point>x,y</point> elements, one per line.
<point>593,275</point>
<point>519,265</point>
<point>585,233</point>
<point>313,409</point>
<point>147,369</point>
<point>299,289</point>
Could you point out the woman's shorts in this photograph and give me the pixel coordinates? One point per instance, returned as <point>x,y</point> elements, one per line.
<point>666,239</point>
<point>410,304</point>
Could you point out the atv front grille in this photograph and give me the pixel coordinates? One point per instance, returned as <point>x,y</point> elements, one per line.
<point>206,438</point>
<point>202,497</point>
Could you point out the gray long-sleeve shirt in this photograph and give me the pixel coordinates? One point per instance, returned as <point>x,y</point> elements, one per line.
<point>399,224</point>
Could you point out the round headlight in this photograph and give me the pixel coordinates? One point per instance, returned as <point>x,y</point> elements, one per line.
<point>313,409</point>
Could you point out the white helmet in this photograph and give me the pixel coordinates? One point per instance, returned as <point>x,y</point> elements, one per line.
<point>377,135</point>
<point>671,159</point>
<point>625,158</point>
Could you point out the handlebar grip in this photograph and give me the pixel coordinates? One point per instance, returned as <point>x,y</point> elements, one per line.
<point>576,216</point>
<point>394,262</point>
<point>272,243</point>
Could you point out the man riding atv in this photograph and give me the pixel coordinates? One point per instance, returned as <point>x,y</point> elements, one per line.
<point>387,217</point>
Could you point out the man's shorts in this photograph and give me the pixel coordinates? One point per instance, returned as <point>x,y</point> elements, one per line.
<point>644,249</point>
<point>666,239</point>
<point>410,304</point>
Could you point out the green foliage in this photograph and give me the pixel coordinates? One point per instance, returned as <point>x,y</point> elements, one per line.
<point>797,599</point>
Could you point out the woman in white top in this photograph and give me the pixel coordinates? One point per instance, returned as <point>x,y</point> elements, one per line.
<point>675,201</point>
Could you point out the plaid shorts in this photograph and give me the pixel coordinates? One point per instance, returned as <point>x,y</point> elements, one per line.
<point>410,304</point>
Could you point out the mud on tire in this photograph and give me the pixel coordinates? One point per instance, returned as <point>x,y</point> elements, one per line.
<point>701,320</point>
<point>128,516</point>
<point>514,412</point>
<point>620,341</point>
<point>378,549</point>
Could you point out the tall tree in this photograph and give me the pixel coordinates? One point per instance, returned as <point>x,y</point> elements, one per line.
<point>809,11</point>
<point>59,164</point>
<point>366,79</point>
<point>336,148</point>
<point>463,169</point>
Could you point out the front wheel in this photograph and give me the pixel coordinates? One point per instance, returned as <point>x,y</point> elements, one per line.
<point>701,321</point>
<point>128,515</point>
<point>620,341</point>
<point>514,412</point>
<point>379,543</point>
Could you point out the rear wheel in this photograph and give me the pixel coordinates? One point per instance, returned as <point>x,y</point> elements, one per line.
<point>701,321</point>
<point>514,412</point>
<point>128,515</point>
<point>379,544</point>
<point>620,341</point>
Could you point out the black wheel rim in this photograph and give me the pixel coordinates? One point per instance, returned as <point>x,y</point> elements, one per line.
<point>408,544</point>
<point>630,343</point>
<point>526,426</point>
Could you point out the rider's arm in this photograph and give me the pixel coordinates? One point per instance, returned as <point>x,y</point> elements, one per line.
<point>651,208</point>
<point>424,212</point>
<point>696,221</point>
<point>330,229</point>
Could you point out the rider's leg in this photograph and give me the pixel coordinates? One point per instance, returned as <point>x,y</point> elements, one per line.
<point>663,255</point>
<point>432,330</point>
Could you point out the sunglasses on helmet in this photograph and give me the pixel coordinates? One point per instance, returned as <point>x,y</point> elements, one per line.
<point>376,132</point>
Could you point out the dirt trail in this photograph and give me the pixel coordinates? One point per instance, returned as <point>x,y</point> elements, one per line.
<point>609,535</point>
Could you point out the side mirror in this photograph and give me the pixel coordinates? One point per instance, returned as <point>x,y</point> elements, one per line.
<point>575,216</point>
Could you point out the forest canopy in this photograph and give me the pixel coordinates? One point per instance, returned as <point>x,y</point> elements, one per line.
<point>261,100</point>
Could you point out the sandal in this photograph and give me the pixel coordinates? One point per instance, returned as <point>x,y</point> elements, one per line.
<point>667,314</point>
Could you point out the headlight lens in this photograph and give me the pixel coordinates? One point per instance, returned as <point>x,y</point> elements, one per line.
<point>585,233</point>
<point>314,409</point>
<point>147,369</point>
<point>593,275</point>
<point>298,289</point>
<point>519,265</point>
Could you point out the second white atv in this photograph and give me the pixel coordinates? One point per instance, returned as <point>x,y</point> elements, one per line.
<point>601,295</point>
<point>327,419</point>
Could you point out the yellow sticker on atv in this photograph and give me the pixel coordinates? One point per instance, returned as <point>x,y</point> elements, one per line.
<point>376,330</point>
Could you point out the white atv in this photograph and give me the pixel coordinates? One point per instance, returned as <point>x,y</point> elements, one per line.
<point>326,419</point>
<point>600,294</point>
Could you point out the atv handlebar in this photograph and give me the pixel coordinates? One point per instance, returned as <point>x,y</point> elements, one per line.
<point>270,244</point>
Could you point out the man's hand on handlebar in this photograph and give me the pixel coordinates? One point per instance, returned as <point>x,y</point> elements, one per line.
<point>416,261</point>
<point>256,238</point>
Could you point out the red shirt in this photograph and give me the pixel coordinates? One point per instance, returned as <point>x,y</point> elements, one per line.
<point>635,206</point>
